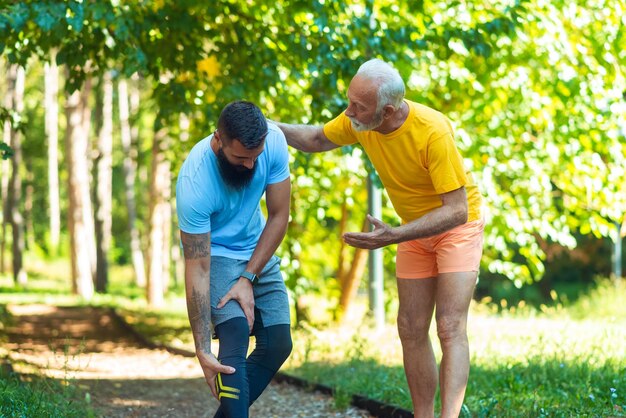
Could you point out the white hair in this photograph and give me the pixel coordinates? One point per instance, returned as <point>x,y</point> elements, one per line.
<point>390,84</point>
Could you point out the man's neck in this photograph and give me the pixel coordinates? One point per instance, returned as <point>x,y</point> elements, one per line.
<point>214,145</point>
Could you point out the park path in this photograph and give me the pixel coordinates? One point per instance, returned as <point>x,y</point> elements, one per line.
<point>124,379</point>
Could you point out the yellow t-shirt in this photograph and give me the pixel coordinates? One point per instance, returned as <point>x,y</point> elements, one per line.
<point>416,163</point>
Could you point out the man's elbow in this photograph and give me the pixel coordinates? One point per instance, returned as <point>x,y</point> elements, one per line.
<point>309,145</point>
<point>319,142</point>
<point>283,224</point>
<point>201,265</point>
<point>461,215</point>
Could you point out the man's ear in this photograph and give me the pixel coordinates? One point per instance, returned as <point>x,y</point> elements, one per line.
<point>388,110</point>
<point>218,139</point>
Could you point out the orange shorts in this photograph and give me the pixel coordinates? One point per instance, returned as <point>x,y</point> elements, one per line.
<point>453,251</point>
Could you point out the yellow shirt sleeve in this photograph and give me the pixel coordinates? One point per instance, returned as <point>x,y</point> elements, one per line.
<point>445,165</point>
<point>339,131</point>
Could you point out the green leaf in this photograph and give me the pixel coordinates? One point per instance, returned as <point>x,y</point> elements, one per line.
<point>76,17</point>
<point>4,22</point>
<point>18,16</point>
<point>43,18</point>
<point>5,151</point>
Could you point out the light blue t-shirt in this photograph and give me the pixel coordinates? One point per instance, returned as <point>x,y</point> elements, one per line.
<point>205,203</point>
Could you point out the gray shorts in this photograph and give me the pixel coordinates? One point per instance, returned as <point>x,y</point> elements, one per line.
<point>270,294</point>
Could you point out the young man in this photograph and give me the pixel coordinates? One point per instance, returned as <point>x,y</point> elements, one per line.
<point>232,277</point>
<point>440,240</point>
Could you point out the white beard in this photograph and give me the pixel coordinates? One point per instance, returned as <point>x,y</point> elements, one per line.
<point>361,127</point>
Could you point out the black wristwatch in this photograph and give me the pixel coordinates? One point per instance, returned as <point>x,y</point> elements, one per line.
<point>254,279</point>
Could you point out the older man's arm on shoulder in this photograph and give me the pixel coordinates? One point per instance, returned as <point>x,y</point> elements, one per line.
<point>307,138</point>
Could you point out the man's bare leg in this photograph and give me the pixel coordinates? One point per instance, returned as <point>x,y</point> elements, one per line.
<point>417,301</point>
<point>454,294</point>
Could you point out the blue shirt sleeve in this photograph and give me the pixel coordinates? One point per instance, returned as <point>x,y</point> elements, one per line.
<point>192,206</point>
<point>279,168</point>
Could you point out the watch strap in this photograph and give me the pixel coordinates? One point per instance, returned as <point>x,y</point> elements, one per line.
<point>250,276</point>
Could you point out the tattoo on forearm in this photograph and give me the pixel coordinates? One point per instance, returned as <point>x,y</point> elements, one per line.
<point>200,319</point>
<point>195,246</point>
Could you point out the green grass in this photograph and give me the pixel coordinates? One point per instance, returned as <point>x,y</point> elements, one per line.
<point>554,361</point>
<point>525,362</point>
<point>562,360</point>
<point>35,395</point>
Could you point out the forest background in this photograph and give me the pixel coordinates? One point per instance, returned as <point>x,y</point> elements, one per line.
<point>103,99</point>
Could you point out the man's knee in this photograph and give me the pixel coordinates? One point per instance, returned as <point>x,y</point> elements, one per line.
<point>282,343</point>
<point>274,345</point>
<point>412,330</point>
<point>451,328</point>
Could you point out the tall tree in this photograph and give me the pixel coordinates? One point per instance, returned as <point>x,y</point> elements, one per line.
<point>5,168</point>
<point>103,184</point>
<point>29,192</point>
<point>14,210</point>
<point>129,170</point>
<point>160,220</point>
<point>80,222</point>
<point>51,105</point>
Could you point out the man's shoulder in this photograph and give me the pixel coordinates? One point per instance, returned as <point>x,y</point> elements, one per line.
<point>275,133</point>
<point>275,142</point>
<point>423,110</point>
<point>197,155</point>
<point>196,172</point>
<point>427,116</point>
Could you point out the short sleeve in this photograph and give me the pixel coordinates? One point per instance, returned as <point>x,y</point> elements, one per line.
<point>339,131</point>
<point>192,207</point>
<point>445,165</point>
<point>279,164</point>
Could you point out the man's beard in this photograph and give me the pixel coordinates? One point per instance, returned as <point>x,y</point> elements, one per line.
<point>375,123</point>
<point>235,176</point>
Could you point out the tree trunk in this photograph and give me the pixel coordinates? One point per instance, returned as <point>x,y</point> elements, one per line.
<point>166,227</point>
<point>129,168</point>
<point>301,313</point>
<point>103,179</point>
<point>177,257</point>
<point>617,252</point>
<point>80,222</point>
<point>5,165</point>
<point>51,105</point>
<point>29,192</point>
<point>178,260</point>
<point>159,222</point>
<point>350,283</point>
<point>15,184</point>
<point>342,265</point>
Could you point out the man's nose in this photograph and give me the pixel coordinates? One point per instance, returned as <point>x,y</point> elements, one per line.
<point>249,164</point>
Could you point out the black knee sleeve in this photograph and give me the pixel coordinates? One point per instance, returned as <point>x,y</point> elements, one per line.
<point>232,389</point>
<point>273,346</point>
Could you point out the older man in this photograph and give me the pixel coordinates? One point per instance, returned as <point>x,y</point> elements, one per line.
<point>440,240</point>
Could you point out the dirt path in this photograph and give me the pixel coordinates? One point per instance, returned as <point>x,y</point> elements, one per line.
<point>124,379</point>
